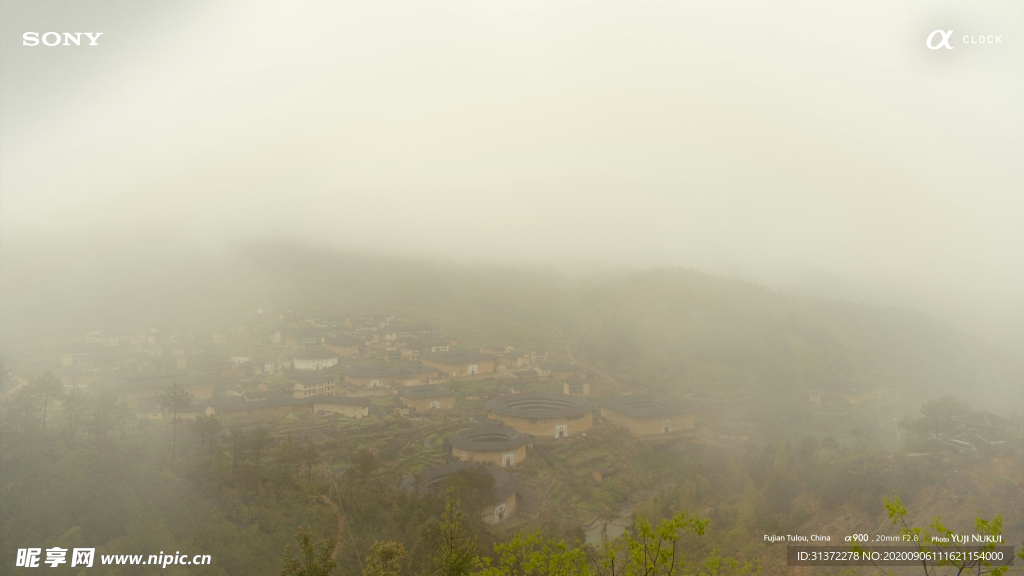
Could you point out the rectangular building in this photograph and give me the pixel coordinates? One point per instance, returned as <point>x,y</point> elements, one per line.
<point>457,363</point>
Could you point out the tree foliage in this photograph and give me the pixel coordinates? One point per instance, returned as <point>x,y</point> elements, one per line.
<point>315,558</point>
<point>385,559</point>
<point>942,539</point>
<point>48,387</point>
<point>456,554</point>
<point>172,400</point>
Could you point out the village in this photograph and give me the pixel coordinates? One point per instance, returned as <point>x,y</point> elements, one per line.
<point>427,402</point>
<point>450,404</point>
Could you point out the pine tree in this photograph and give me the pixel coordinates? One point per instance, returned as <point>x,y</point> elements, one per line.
<point>456,554</point>
<point>49,387</point>
<point>173,399</point>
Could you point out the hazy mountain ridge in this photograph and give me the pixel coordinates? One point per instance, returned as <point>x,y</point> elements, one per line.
<point>656,328</point>
<point>672,322</point>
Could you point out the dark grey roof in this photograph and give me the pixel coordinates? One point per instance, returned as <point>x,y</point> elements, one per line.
<point>530,505</point>
<point>494,346</point>
<point>577,381</point>
<point>505,484</point>
<point>489,438</point>
<point>314,354</point>
<point>983,419</point>
<point>418,369</point>
<point>731,429</point>
<point>152,404</point>
<point>238,404</point>
<point>562,367</point>
<point>338,400</point>
<point>457,356</point>
<point>346,341</point>
<point>424,392</point>
<point>646,406</point>
<point>309,377</point>
<point>539,405</point>
<point>417,328</point>
<point>371,371</point>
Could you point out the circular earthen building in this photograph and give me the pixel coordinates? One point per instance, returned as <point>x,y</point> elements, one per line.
<point>498,445</point>
<point>543,414</point>
<point>511,495</point>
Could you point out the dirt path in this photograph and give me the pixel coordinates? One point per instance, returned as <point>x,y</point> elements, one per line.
<point>568,350</point>
<point>341,525</point>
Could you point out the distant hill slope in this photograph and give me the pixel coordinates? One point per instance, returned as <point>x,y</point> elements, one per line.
<point>672,323</point>
<point>656,327</point>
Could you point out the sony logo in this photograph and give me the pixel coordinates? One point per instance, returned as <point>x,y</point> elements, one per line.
<point>54,38</point>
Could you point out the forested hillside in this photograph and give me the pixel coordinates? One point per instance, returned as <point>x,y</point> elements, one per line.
<point>662,327</point>
<point>81,468</point>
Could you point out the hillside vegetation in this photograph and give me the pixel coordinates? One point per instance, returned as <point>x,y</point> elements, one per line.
<point>667,328</point>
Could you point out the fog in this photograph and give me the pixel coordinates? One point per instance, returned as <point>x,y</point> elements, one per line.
<point>822,150</point>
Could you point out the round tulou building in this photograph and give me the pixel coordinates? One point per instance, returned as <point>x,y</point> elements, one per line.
<point>497,445</point>
<point>543,414</point>
<point>512,497</point>
<point>646,415</point>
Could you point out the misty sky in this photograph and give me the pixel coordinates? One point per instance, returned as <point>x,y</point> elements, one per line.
<point>808,146</point>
